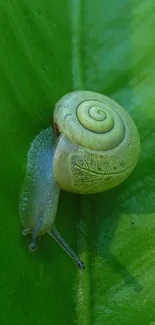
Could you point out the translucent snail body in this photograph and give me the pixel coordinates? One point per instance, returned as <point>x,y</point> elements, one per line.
<point>40,193</point>
<point>97,148</point>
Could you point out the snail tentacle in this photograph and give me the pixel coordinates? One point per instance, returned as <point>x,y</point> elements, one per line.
<point>55,234</point>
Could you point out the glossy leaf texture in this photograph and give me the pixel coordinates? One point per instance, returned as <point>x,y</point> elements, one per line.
<point>49,48</point>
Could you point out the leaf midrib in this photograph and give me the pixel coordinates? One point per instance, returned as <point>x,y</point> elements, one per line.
<point>84,314</point>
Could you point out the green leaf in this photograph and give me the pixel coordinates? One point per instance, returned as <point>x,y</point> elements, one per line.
<point>49,48</point>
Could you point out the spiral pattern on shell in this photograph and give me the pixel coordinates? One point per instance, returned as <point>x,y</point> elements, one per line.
<point>91,120</point>
<point>98,146</point>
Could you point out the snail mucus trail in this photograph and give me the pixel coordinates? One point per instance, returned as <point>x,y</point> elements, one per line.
<point>94,146</point>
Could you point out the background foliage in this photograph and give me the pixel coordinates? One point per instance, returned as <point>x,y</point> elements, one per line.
<point>49,48</point>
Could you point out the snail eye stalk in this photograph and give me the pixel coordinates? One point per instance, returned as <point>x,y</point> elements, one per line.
<point>55,234</point>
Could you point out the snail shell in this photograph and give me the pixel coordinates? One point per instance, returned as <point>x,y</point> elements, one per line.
<point>99,143</point>
<point>97,148</point>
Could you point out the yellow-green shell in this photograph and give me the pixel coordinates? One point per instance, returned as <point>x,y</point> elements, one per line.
<point>99,143</point>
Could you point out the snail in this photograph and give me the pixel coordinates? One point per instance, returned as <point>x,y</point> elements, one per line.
<point>93,146</point>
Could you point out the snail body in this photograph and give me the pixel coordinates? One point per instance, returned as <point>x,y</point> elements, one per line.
<point>40,193</point>
<point>96,148</point>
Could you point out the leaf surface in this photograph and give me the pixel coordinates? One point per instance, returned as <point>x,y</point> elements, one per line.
<point>49,49</point>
